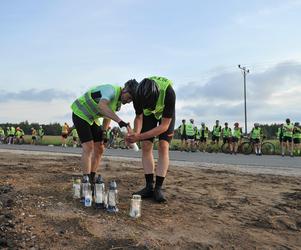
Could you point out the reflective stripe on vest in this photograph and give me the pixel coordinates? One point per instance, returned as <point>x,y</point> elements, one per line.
<point>216,131</point>
<point>288,130</point>
<point>227,132</point>
<point>255,133</point>
<point>237,132</point>
<point>87,109</point>
<point>297,133</point>
<point>206,132</point>
<point>162,84</point>
<point>190,129</point>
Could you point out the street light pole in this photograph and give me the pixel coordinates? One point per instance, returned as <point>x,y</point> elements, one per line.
<point>245,71</point>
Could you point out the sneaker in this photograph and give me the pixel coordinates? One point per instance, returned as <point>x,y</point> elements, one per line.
<point>260,154</point>
<point>147,192</point>
<point>158,195</point>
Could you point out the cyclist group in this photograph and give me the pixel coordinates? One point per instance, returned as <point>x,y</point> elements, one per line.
<point>12,135</point>
<point>193,138</point>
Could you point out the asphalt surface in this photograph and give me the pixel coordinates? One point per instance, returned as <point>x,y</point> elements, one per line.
<point>271,164</point>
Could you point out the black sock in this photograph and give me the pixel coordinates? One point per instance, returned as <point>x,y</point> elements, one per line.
<point>92,176</point>
<point>149,178</point>
<point>159,181</point>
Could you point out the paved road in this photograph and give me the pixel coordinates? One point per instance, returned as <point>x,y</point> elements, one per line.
<point>198,157</point>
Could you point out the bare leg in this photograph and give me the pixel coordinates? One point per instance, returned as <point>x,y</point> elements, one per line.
<point>86,159</point>
<point>163,160</point>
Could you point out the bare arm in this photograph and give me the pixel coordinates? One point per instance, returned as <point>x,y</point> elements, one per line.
<point>107,112</point>
<point>138,123</point>
<point>157,130</point>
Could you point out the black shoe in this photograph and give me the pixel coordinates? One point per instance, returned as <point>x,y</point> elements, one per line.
<point>158,195</point>
<point>147,192</point>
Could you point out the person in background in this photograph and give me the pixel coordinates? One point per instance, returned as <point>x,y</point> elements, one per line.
<point>256,136</point>
<point>216,133</point>
<point>182,129</point>
<point>280,135</point>
<point>19,136</point>
<point>33,136</point>
<point>41,134</point>
<point>65,133</point>
<point>297,137</point>
<point>2,135</point>
<point>236,137</point>
<point>287,143</point>
<point>204,134</point>
<point>227,136</point>
<point>190,131</point>
<point>74,135</point>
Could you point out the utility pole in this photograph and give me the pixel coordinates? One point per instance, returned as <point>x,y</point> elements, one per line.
<point>245,71</point>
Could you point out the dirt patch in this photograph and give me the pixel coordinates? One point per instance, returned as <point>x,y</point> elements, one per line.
<point>206,209</point>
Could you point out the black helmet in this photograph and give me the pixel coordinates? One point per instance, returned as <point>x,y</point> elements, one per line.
<point>183,120</point>
<point>288,120</point>
<point>131,87</point>
<point>148,93</point>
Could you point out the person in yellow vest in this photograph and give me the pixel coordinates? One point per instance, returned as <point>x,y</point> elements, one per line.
<point>98,102</point>
<point>74,137</point>
<point>227,136</point>
<point>65,133</point>
<point>280,134</point>
<point>2,135</point>
<point>287,143</point>
<point>216,132</point>
<point>297,137</point>
<point>19,135</point>
<point>236,137</point>
<point>12,135</point>
<point>182,130</point>
<point>204,133</point>
<point>256,137</point>
<point>190,131</point>
<point>33,136</point>
<point>155,116</point>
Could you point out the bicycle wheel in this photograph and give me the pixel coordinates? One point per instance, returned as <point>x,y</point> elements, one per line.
<point>225,148</point>
<point>122,144</point>
<point>268,148</point>
<point>246,148</point>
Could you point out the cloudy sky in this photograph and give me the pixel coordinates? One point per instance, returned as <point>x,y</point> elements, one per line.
<point>53,51</point>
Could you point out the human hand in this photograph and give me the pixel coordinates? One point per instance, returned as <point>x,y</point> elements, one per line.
<point>132,137</point>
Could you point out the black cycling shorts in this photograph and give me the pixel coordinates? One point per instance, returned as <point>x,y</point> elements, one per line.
<point>150,122</point>
<point>87,132</point>
<point>255,141</point>
<point>235,139</point>
<point>203,139</point>
<point>287,139</point>
<point>227,140</point>
<point>215,138</point>
<point>297,140</point>
<point>190,137</point>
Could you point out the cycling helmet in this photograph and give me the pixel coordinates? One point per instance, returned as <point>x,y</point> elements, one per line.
<point>191,120</point>
<point>217,121</point>
<point>297,123</point>
<point>236,124</point>
<point>288,120</point>
<point>203,123</point>
<point>256,124</point>
<point>147,93</point>
<point>131,86</point>
<point>183,120</point>
<point>226,123</point>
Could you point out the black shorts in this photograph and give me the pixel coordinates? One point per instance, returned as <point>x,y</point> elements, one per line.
<point>190,137</point>
<point>235,139</point>
<point>87,132</point>
<point>150,122</point>
<point>64,135</point>
<point>297,140</point>
<point>255,141</point>
<point>183,137</point>
<point>33,138</point>
<point>203,139</point>
<point>287,139</point>
<point>215,138</point>
<point>227,140</point>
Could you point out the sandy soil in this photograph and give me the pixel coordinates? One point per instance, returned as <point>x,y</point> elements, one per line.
<point>206,209</point>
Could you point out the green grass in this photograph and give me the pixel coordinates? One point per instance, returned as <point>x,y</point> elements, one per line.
<point>175,144</point>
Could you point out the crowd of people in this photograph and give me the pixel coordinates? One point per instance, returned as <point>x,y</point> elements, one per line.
<point>194,137</point>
